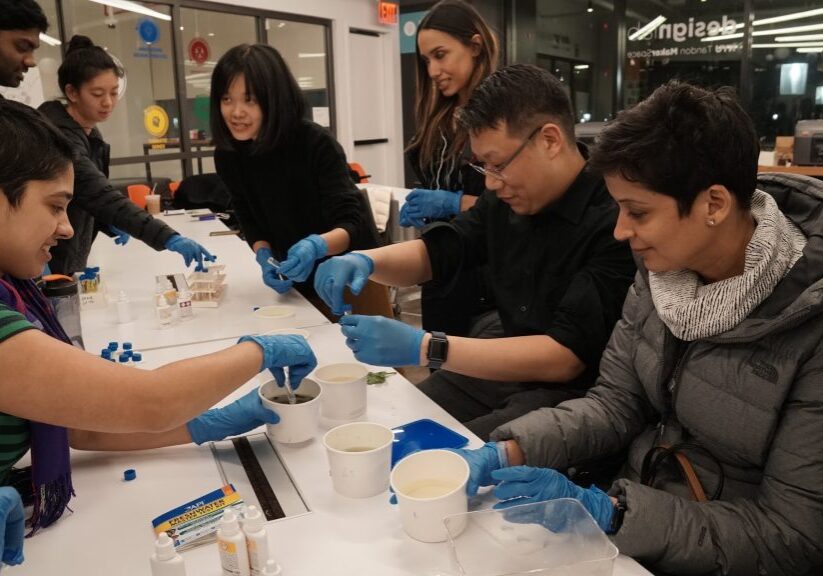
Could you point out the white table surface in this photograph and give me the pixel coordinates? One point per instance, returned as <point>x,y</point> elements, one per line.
<point>132,268</point>
<point>110,531</point>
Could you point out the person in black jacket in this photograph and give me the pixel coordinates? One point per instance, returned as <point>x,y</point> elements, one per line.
<point>288,177</point>
<point>89,78</point>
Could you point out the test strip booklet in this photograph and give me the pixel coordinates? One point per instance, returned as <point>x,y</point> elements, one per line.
<point>196,522</point>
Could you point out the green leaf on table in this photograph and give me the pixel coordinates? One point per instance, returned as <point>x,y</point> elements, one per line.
<point>378,377</point>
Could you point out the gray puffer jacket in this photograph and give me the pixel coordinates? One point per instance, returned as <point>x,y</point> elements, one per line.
<point>752,397</point>
<point>96,202</point>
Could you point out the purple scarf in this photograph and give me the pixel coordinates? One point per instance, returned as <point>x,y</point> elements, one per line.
<point>51,469</point>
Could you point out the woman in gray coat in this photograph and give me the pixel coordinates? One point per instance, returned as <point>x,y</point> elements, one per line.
<point>712,382</point>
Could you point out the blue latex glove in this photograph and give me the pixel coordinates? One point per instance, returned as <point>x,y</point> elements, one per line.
<point>482,462</point>
<point>12,526</point>
<point>302,256</point>
<point>382,341</point>
<point>120,237</point>
<point>271,272</point>
<point>421,203</point>
<point>334,275</point>
<point>285,350</point>
<point>525,485</point>
<point>239,417</point>
<point>191,251</point>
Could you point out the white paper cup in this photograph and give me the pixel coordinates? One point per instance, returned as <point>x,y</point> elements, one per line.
<point>298,422</point>
<point>430,485</point>
<point>344,391</point>
<point>359,456</point>
<point>275,316</point>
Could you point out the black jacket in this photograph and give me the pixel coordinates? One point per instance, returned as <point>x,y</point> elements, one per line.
<point>301,189</point>
<point>95,198</point>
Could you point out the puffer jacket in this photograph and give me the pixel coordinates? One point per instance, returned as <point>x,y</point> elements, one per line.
<point>95,198</point>
<point>750,398</point>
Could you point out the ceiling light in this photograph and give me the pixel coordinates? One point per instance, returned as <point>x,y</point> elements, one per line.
<point>590,8</point>
<point>647,29</point>
<point>792,16</point>
<point>311,55</point>
<point>803,38</point>
<point>51,41</point>
<point>581,66</point>
<point>810,50</point>
<point>133,7</point>
<point>723,37</point>
<point>790,45</point>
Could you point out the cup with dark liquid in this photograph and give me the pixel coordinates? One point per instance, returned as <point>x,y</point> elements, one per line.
<point>298,421</point>
<point>359,457</point>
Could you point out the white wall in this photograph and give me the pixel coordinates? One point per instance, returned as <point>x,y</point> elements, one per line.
<point>346,14</point>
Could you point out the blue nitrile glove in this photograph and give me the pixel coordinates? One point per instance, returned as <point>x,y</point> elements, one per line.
<point>12,526</point>
<point>482,462</point>
<point>239,417</point>
<point>302,256</point>
<point>525,485</point>
<point>285,350</point>
<point>271,272</point>
<point>381,341</point>
<point>191,251</point>
<point>421,203</point>
<point>120,237</point>
<point>332,277</point>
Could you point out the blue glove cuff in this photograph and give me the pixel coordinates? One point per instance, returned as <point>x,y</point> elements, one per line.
<point>502,454</point>
<point>198,431</point>
<point>454,204</point>
<point>171,240</point>
<point>369,262</point>
<point>321,248</point>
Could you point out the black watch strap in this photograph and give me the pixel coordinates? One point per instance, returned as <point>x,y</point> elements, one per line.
<point>619,513</point>
<point>438,349</point>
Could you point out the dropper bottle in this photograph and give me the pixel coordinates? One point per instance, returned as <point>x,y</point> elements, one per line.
<point>166,561</point>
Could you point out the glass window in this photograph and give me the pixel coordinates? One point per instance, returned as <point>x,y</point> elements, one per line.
<point>787,66</point>
<point>207,35</point>
<point>142,42</point>
<point>698,42</point>
<point>303,47</point>
<point>576,43</point>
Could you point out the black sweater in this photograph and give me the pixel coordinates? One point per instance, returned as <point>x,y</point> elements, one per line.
<point>300,189</point>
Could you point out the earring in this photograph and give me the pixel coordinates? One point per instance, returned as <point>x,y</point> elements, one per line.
<point>710,222</point>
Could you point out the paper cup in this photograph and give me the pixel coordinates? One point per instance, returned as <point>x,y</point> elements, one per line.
<point>298,422</point>
<point>430,485</point>
<point>344,391</point>
<point>359,456</point>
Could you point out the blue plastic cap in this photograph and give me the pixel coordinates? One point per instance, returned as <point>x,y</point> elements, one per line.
<point>105,353</point>
<point>124,357</point>
<point>129,475</point>
<point>127,346</point>
<point>113,346</point>
<point>137,357</point>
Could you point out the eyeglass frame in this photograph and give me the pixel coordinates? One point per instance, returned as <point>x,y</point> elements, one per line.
<point>497,171</point>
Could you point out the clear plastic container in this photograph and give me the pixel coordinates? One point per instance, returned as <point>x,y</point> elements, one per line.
<point>554,538</point>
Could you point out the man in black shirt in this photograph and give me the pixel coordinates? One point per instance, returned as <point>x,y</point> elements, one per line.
<point>544,227</point>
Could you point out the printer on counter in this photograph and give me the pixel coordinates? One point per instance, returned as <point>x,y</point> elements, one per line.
<point>808,143</point>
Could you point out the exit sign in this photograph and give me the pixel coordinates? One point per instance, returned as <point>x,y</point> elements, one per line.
<point>387,12</point>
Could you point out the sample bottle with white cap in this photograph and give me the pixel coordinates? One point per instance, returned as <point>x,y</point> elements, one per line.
<point>257,541</point>
<point>166,561</point>
<point>234,557</point>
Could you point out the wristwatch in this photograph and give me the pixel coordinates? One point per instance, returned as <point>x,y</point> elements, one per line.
<point>619,513</point>
<point>438,349</point>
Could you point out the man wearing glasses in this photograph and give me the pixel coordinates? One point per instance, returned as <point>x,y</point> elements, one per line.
<point>544,228</point>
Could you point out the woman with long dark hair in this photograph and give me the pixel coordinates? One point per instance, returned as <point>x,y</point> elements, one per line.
<point>288,177</point>
<point>456,50</point>
<point>89,79</point>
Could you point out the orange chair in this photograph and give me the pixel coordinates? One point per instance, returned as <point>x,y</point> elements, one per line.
<point>173,186</point>
<point>137,194</point>
<point>356,168</point>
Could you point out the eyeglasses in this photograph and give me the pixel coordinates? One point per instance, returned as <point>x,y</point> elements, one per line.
<point>497,171</point>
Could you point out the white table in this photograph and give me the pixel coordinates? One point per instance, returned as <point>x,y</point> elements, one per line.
<point>110,530</point>
<point>132,269</point>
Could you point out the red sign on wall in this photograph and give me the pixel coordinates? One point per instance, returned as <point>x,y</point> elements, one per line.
<point>199,50</point>
<point>387,12</point>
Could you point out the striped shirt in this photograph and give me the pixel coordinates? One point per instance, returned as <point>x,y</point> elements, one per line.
<point>14,431</point>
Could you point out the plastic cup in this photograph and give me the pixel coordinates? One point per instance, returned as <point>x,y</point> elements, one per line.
<point>359,456</point>
<point>153,203</point>
<point>298,422</point>
<point>430,485</point>
<point>344,391</point>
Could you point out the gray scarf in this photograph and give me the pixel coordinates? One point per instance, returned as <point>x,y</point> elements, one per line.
<point>693,310</point>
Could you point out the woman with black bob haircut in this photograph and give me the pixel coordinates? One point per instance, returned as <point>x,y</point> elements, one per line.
<point>76,399</point>
<point>288,177</point>
<point>90,81</point>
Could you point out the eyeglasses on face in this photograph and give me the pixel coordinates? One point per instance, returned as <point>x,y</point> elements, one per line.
<point>497,171</point>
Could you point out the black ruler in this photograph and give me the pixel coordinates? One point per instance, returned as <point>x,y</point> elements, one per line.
<point>269,504</point>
